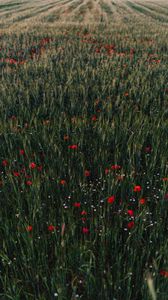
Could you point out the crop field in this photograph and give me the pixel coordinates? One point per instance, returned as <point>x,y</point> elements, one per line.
<point>84,150</point>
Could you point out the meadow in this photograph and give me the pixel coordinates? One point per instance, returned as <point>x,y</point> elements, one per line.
<point>84,150</point>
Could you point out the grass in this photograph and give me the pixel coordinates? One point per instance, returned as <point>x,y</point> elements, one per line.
<point>83,160</point>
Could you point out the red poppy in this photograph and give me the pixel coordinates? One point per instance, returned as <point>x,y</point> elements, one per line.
<point>107,171</point>
<point>51,228</point>
<point>87,173</point>
<point>29,182</point>
<point>111,199</point>
<point>4,162</point>
<point>130,225</point>
<point>115,167</point>
<point>77,204</point>
<point>32,165</point>
<point>130,212</point>
<point>165,179</point>
<point>21,151</point>
<point>85,230</point>
<point>94,118</point>
<point>83,212</point>
<point>72,146</point>
<point>62,182</point>
<point>142,201</point>
<point>137,188</point>
<point>126,94</point>
<point>39,168</point>
<point>29,228</point>
<point>148,149</point>
<point>16,174</point>
<point>164,273</point>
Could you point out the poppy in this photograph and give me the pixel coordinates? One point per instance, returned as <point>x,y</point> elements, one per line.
<point>115,167</point>
<point>94,118</point>
<point>142,201</point>
<point>51,228</point>
<point>106,171</point>
<point>164,273</point>
<point>85,230</point>
<point>4,162</point>
<point>16,174</point>
<point>130,225</point>
<point>21,151</point>
<point>39,168</point>
<point>29,228</point>
<point>72,146</point>
<point>62,182</point>
<point>83,212</point>
<point>130,212</point>
<point>137,188</point>
<point>165,179</point>
<point>32,165</point>
<point>87,173</point>
<point>29,182</point>
<point>111,199</point>
<point>77,204</point>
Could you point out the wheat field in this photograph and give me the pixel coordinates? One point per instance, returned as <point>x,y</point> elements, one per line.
<point>84,150</point>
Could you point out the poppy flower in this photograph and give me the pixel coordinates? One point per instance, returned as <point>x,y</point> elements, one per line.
<point>28,182</point>
<point>85,230</point>
<point>142,201</point>
<point>165,179</point>
<point>115,167</point>
<point>106,171</point>
<point>137,188</point>
<point>87,173</point>
<point>130,225</point>
<point>164,273</point>
<point>130,212</point>
<point>51,228</point>
<point>72,146</point>
<point>39,168</point>
<point>94,118</point>
<point>77,204</point>
<point>16,174</point>
<point>29,228</point>
<point>4,162</point>
<point>62,182</point>
<point>21,151</point>
<point>32,165</point>
<point>148,149</point>
<point>111,199</point>
<point>83,212</point>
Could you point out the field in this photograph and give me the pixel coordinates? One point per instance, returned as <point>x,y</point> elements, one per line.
<point>84,150</point>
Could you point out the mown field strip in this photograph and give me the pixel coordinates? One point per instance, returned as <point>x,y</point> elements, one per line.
<point>79,11</point>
